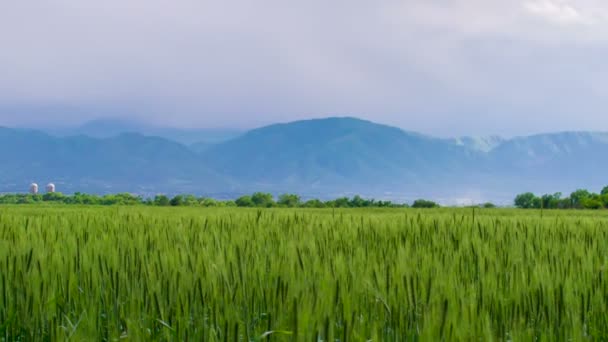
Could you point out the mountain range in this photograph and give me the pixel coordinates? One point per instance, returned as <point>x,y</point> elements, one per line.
<point>107,128</point>
<point>315,158</point>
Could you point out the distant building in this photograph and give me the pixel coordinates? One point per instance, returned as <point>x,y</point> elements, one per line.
<point>33,188</point>
<point>50,188</point>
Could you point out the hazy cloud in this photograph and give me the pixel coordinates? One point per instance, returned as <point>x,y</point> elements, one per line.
<point>442,67</point>
<point>558,12</point>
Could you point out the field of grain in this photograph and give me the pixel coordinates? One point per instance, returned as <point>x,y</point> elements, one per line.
<point>140,273</point>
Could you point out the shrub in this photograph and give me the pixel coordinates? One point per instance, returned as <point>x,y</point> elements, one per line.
<point>422,203</point>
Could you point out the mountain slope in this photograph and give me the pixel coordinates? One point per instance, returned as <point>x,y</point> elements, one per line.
<point>128,161</point>
<point>335,150</point>
<point>324,157</point>
<point>108,128</point>
<point>568,159</point>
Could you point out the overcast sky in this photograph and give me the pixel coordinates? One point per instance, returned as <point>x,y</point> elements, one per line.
<point>448,68</point>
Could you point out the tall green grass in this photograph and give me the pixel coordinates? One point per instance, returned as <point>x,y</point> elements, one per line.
<point>138,273</point>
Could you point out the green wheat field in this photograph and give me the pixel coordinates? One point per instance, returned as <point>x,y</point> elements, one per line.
<point>234,274</point>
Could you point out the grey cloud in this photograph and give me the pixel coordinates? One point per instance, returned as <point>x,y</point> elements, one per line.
<point>441,67</point>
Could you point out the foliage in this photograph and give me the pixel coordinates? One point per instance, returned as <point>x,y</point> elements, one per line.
<point>526,201</point>
<point>421,203</point>
<point>162,200</point>
<point>184,200</point>
<point>551,201</point>
<point>314,203</point>
<point>604,199</point>
<point>262,199</point>
<point>289,200</point>
<point>258,199</point>
<point>244,201</point>
<point>342,202</point>
<point>579,199</point>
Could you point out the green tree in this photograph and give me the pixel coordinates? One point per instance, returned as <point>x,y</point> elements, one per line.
<point>593,202</point>
<point>314,203</point>
<point>80,198</point>
<point>208,202</point>
<point>342,202</point>
<point>128,199</point>
<point>244,201</point>
<point>604,191</point>
<point>578,197</point>
<point>191,201</point>
<point>108,199</point>
<point>177,201</point>
<point>289,200</point>
<point>53,197</point>
<point>228,203</point>
<point>527,201</point>
<point>604,199</point>
<point>356,202</point>
<point>162,200</point>
<point>359,202</point>
<point>551,201</point>
<point>25,199</point>
<point>422,203</point>
<point>262,199</point>
<point>386,204</point>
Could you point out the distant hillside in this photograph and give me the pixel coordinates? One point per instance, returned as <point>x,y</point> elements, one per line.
<point>336,151</point>
<point>128,162</point>
<point>558,160</point>
<point>323,157</point>
<point>107,128</point>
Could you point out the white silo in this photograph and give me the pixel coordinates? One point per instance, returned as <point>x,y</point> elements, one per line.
<point>33,188</point>
<point>50,188</point>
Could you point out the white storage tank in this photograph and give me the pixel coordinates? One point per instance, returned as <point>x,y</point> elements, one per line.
<point>50,188</point>
<point>33,188</point>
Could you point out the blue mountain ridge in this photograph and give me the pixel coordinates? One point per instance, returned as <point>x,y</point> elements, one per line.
<point>320,157</point>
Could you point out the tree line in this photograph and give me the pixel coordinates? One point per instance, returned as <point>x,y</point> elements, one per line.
<point>579,199</point>
<point>255,200</point>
